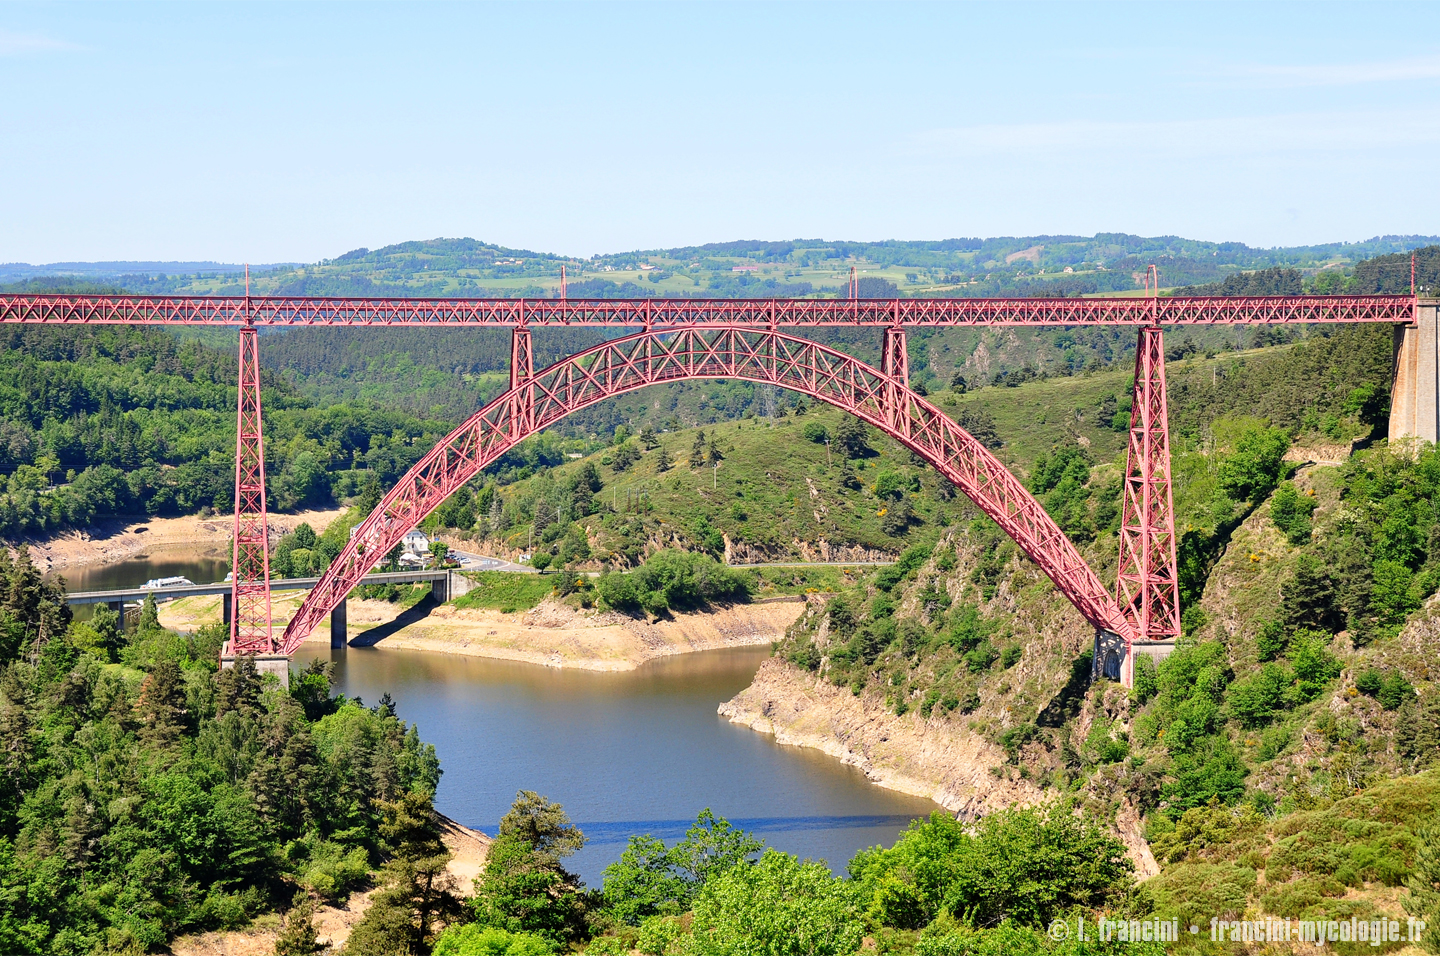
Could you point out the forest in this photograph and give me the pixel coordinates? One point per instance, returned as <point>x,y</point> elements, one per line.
<point>99,422</point>
<point>147,794</point>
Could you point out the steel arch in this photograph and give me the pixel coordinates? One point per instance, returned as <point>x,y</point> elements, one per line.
<point>537,401</point>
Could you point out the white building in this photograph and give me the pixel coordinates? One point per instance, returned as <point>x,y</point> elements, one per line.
<point>415,543</point>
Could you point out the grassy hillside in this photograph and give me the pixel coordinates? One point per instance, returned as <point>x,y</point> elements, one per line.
<point>774,495</point>
<point>1259,754</point>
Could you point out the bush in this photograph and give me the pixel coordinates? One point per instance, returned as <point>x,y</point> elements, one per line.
<point>473,940</point>
<point>672,579</point>
<point>1291,513</point>
<point>658,934</point>
<point>814,431</point>
<point>1388,687</point>
<point>1195,892</point>
<point>1256,699</point>
<point>1251,468</point>
<point>981,657</point>
<point>777,907</point>
<point>1023,865</point>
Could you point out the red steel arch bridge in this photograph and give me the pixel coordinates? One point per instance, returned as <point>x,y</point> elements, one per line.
<point>667,340</point>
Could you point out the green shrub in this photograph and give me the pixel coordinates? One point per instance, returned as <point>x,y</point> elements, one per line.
<point>1389,687</point>
<point>1196,892</point>
<point>1255,700</point>
<point>474,940</point>
<point>1251,467</point>
<point>981,657</point>
<point>765,909</point>
<point>672,580</point>
<point>1147,682</point>
<point>1023,865</point>
<point>1291,513</point>
<point>329,870</point>
<point>658,934</point>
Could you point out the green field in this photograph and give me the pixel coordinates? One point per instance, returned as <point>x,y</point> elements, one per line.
<point>506,591</point>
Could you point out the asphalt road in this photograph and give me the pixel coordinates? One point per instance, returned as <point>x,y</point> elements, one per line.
<point>483,562</point>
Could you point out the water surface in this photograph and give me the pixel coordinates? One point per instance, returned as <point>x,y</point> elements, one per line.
<point>635,752</point>
<point>203,566</point>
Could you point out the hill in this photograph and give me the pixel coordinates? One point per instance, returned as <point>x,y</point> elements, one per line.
<point>112,420</point>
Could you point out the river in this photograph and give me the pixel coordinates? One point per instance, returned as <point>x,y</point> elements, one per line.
<point>203,566</point>
<point>632,752</point>
<point>626,753</point>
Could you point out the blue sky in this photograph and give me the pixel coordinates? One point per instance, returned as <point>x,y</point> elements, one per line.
<point>273,132</point>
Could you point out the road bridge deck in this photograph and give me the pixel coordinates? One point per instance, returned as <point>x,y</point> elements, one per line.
<point>126,595</point>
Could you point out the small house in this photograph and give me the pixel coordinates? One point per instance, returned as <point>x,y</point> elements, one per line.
<point>415,543</point>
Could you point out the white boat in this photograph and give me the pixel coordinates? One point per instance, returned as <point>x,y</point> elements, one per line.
<point>156,584</point>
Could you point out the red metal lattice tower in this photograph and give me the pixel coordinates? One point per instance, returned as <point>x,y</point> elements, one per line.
<point>250,585</point>
<point>1146,587</point>
<point>895,363</point>
<point>522,369</point>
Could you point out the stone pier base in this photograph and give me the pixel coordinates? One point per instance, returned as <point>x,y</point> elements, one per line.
<point>1115,662</point>
<point>1415,388</point>
<point>339,626</point>
<point>277,665</point>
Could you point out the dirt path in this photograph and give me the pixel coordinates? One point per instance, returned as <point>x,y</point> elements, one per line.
<point>108,541</point>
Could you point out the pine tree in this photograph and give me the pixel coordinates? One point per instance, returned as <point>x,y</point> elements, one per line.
<point>544,515</point>
<point>697,451</point>
<point>663,460</point>
<point>419,896</point>
<point>1308,599</point>
<point>647,437</point>
<point>852,437</point>
<point>298,935</point>
<point>238,688</point>
<point>34,609</point>
<point>523,887</point>
<point>149,616</point>
<point>161,706</point>
<point>370,496</point>
<point>713,454</point>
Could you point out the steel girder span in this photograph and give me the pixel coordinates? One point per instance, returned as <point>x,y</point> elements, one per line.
<point>536,401</point>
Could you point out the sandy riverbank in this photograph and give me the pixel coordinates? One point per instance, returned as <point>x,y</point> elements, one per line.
<point>552,634</point>
<point>108,541</point>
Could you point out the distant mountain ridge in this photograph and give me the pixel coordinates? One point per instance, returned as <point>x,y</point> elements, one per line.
<point>1005,265</point>
<point>10,271</point>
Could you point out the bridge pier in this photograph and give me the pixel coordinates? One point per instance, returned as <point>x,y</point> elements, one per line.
<point>1415,387</point>
<point>276,665</point>
<point>119,608</point>
<point>1114,659</point>
<point>227,608</point>
<point>339,626</point>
